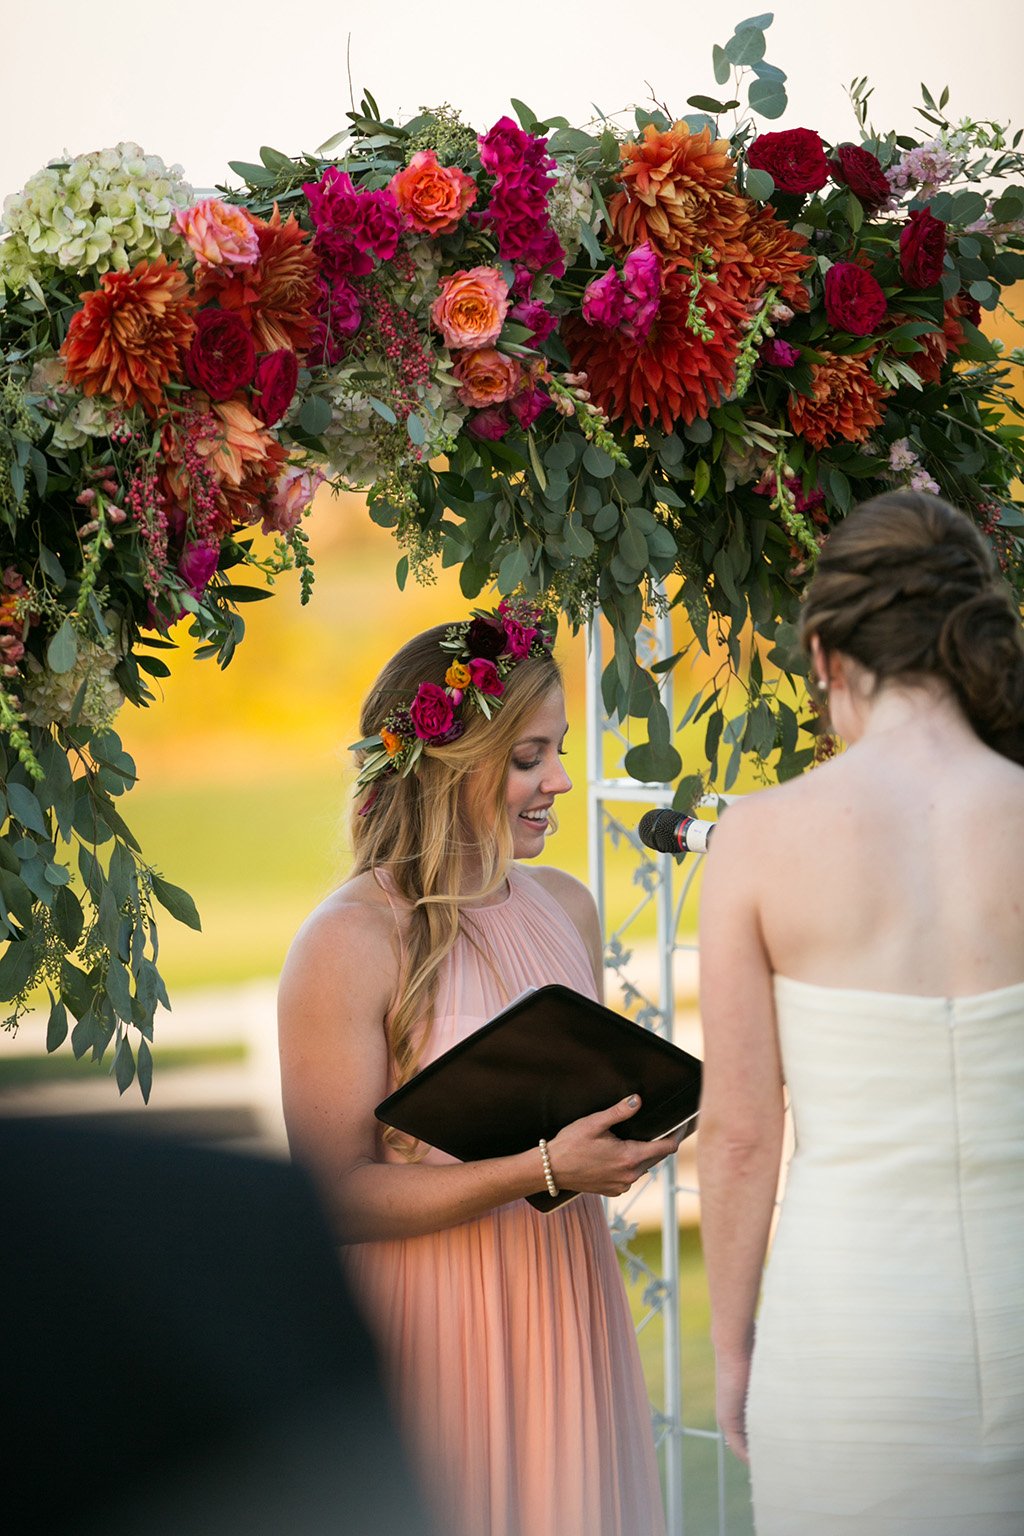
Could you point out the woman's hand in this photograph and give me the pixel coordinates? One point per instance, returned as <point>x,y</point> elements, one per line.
<point>732,1378</point>
<point>589,1158</point>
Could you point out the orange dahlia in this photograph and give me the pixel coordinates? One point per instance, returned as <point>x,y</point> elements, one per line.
<point>675,195</point>
<point>846,402</point>
<point>276,297</point>
<point>771,255</point>
<point>240,457</point>
<point>938,346</point>
<point>673,375</point>
<point>128,338</point>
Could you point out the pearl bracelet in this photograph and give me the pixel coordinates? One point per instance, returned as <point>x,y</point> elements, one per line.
<point>549,1178</point>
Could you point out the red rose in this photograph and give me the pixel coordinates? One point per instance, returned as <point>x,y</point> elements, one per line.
<point>794,159</point>
<point>431,712</point>
<point>861,171</point>
<point>222,358</point>
<point>854,301</point>
<point>922,249</point>
<point>274,385</point>
<point>486,637</point>
<point>484,675</point>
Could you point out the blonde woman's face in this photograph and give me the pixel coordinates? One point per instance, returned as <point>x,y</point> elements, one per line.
<point>536,775</point>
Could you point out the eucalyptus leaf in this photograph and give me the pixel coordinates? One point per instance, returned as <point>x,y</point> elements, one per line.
<point>25,808</point>
<point>62,650</point>
<point>758,184</point>
<point>177,902</point>
<point>767,98</point>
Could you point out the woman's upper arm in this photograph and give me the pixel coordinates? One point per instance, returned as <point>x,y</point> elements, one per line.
<point>742,1069</point>
<point>337,983</point>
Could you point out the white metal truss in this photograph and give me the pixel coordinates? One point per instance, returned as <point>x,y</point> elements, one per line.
<point>615,804</point>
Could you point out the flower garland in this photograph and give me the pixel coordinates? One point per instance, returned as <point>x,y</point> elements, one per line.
<point>483,651</point>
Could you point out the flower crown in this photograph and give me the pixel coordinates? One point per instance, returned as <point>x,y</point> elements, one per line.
<point>483,651</point>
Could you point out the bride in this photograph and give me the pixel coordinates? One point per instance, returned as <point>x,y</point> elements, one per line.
<point>862,947</point>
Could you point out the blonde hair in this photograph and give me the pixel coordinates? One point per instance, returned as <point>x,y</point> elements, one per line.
<point>417,828</point>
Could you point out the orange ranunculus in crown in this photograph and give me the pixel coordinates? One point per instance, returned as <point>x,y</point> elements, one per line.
<point>432,197</point>
<point>128,338</point>
<point>470,308</point>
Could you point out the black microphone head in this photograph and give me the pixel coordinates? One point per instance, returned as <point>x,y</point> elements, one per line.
<point>660,830</point>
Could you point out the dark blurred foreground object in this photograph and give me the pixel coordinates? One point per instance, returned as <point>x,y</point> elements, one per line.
<point>181,1354</point>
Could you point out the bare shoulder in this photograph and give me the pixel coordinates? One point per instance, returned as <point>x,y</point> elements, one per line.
<point>351,938</point>
<point>570,893</point>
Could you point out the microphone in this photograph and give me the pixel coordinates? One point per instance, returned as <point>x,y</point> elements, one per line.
<point>671,832</point>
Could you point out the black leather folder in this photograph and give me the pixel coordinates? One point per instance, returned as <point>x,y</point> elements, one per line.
<point>552,1056</point>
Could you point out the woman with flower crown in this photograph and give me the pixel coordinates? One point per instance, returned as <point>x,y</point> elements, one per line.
<point>505,1332</point>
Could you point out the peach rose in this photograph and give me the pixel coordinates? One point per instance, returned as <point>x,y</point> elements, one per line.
<point>470,308</point>
<point>219,235</point>
<point>432,197</point>
<point>487,377</point>
<point>290,498</point>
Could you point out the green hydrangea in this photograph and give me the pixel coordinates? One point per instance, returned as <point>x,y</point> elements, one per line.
<point>48,697</point>
<point>100,212</point>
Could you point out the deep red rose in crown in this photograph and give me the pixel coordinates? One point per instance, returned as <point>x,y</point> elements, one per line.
<point>485,637</point>
<point>793,158</point>
<point>862,172</point>
<point>431,712</point>
<point>277,376</point>
<point>485,676</point>
<point>854,301</point>
<point>922,249</point>
<point>222,358</point>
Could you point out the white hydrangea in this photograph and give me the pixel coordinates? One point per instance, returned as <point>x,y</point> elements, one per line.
<point>570,204</point>
<point>48,697</point>
<point>422,291</point>
<point>351,439</point>
<point>99,212</point>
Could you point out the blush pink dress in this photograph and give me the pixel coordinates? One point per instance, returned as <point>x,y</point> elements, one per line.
<point>508,1340</point>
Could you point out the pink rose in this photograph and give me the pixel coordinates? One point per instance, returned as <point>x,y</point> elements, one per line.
<point>484,676</point>
<point>431,712</point>
<point>470,308</point>
<point>219,235</point>
<point>519,637</point>
<point>277,374</point>
<point>490,424</point>
<point>290,498</point>
<point>528,405</point>
<point>536,317</point>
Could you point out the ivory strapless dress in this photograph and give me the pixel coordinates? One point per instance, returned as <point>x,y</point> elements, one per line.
<point>887,1389</point>
<point>507,1340</point>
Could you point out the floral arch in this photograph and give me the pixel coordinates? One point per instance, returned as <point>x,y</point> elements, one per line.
<point>615,366</point>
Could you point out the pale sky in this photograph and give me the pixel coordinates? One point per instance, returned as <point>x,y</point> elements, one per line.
<point>202,83</point>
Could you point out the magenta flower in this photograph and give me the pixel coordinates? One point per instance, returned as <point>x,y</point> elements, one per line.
<point>484,675</point>
<point>778,353</point>
<point>196,565</point>
<point>536,317</point>
<point>604,300</point>
<point>528,405</point>
<point>489,424</point>
<point>431,712</point>
<point>520,638</point>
